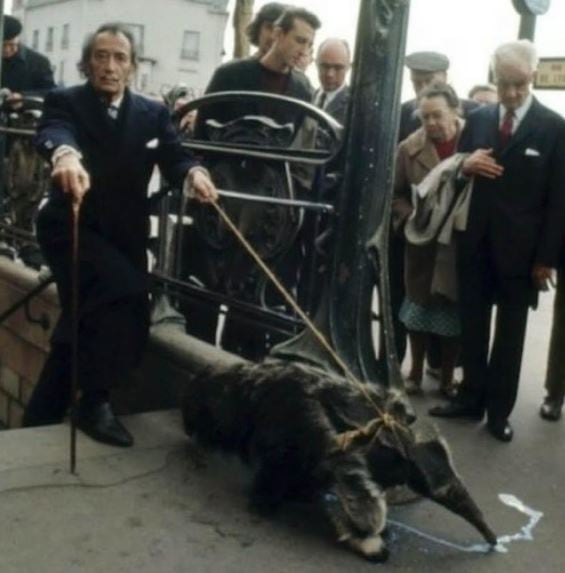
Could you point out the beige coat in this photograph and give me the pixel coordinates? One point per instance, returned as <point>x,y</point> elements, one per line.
<point>416,157</point>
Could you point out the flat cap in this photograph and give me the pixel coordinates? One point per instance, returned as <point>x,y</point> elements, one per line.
<point>12,27</point>
<point>427,62</point>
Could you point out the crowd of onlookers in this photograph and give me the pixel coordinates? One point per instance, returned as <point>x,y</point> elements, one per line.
<point>478,219</point>
<point>478,224</point>
<point>478,216</point>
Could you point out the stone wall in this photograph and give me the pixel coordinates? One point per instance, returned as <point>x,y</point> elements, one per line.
<point>171,356</point>
<point>23,344</point>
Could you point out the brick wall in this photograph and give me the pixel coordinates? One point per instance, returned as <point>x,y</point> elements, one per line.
<point>23,344</point>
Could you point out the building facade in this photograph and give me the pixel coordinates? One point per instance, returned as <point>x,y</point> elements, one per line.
<point>179,41</point>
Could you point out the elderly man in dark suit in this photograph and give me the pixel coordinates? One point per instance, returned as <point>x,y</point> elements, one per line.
<point>103,142</point>
<point>333,62</point>
<point>513,236</point>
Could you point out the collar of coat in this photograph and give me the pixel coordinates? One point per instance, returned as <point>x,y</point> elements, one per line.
<point>418,142</point>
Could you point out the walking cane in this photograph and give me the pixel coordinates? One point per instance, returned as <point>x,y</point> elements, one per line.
<point>74,328</point>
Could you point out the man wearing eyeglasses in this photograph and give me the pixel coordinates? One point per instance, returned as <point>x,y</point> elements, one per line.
<point>333,62</point>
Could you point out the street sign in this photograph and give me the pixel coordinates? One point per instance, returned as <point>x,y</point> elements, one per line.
<point>531,7</point>
<point>550,74</point>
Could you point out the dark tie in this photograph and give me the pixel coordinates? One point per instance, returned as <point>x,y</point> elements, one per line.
<point>505,132</point>
<point>322,101</point>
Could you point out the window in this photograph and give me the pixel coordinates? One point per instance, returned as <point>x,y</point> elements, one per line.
<point>190,45</point>
<point>35,40</point>
<point>49,40</point>
<point>65,36</point>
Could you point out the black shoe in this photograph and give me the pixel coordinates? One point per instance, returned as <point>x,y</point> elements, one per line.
<point>100,423</point>
<point>457,409</point>
<point>551,409</point>
<point>501,429</point>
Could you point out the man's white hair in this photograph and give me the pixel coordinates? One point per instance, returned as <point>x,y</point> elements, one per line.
<point>520,54</point>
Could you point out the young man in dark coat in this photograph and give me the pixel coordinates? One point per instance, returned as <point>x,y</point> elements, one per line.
<point>103,142</point>
<point>273,73</point>
<point>24,71</point>
<point>513,236</point>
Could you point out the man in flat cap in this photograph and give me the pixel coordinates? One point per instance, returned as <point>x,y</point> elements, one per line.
<point>425,69</point>
<point>24,71</point>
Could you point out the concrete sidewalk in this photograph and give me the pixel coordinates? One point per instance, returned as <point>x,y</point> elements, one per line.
<point>164,507</point>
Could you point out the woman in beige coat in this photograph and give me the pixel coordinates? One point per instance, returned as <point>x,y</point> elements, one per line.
<point>422,312</point>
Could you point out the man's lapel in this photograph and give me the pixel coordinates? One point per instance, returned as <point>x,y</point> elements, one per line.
<point>491,128</point>
<point>339,102</point>
<point>316,97</point>
<point>129,126</point>
<point>94,116</point>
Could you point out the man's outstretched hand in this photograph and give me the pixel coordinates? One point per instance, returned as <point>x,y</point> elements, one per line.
<point>543,277</point>
<point>202,186</point>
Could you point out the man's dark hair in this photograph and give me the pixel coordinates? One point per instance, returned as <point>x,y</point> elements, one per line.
<point>287,18</point>
<point>114,28</point>
<point>268,13</point>
<point>440,89</point>
<point>481,88</point>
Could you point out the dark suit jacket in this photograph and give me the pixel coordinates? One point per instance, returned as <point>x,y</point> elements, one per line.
<point>410,122</point>
<point>521,213</point>
<point>27,72</point>
<point>337,107</point>
<point>120,158</point>
<point>246,75</point>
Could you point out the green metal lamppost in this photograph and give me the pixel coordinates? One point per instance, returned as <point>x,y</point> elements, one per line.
<point>529,10</point>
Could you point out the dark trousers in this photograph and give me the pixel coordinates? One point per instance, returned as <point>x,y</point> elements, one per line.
<point>491,377</point>
<point>111,343</point>
<point>555,377</point>
<point>113,317</point>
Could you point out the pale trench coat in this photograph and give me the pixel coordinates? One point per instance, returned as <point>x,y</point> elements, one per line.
<point>416,157</point>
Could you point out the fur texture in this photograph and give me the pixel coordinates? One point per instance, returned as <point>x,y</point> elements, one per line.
<point>284,419</point>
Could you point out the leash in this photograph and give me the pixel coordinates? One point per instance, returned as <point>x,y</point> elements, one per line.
<point>383,418</point>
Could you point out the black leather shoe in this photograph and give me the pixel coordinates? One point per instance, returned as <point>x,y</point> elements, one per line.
<point>501,430</point>
<point>100,423</point>
<point>457,409</point>
<point>551,409</point>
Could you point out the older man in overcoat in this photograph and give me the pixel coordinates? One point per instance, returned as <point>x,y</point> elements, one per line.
<point>103,142</point>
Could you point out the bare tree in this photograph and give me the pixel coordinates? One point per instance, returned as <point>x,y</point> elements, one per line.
<point>241,18</point>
